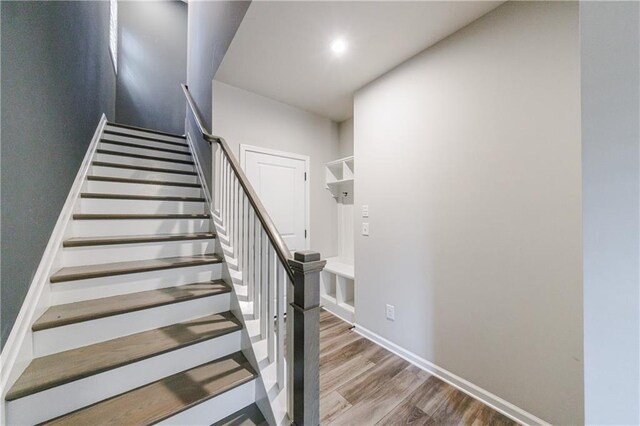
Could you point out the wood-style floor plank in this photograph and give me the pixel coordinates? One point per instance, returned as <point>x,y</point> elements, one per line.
<point>406,414</point>
<point>373,381</point>
<point>373,409</point>
<point>331,379</point>
<point>331,406</point>
<point>363,384</point>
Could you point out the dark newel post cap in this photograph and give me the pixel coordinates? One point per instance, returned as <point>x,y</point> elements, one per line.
<point>306,256</point>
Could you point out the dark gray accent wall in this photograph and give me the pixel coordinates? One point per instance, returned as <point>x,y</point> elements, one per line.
<point>610,72</point>
<point>57,80</point>
<point>152,63</point>
<point>212,26</point>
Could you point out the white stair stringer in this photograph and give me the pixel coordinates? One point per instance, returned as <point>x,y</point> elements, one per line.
<point>272,404</point>
<point>271,400</point>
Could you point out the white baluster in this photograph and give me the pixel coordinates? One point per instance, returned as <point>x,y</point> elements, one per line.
<point>250,254</point>
<point>236,221</point>
<point>227,223</point>
<point>257,270</point>
<point>280,331</point>
<point>264,281</point>
<point>223,185</point>
<point>241,224</point>
<point>271,282</point>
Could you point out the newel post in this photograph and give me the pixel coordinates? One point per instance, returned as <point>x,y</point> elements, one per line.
<point>305,380</point>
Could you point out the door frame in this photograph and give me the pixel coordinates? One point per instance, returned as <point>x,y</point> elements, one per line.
<point>244,148</point>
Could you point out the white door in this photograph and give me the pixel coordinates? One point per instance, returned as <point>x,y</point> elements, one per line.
<point>280,181</point>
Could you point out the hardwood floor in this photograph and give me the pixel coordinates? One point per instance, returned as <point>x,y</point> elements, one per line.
<point>363,384</point>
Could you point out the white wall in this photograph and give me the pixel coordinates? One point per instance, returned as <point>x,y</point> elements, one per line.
<point>243,117</point>
<point>345,138</point>
<point>610,42</point>
<point>468,156</point>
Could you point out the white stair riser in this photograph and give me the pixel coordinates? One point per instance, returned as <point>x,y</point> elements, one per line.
<point>71,396</point>
<point>75,291</point>
<point>119,159</point>
<point>99,205</point>
<point>146,150</point>
<point>143,134</point>
<point>153,144</point>
<point>95,255</point>
<point>103,228</point>
<point>86,333</point>
<point>141,189</point>
<point>141,174</point>
<point>216,409</point>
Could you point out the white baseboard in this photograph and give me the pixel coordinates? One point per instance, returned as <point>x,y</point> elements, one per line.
<point>482,395</point>
<point>18,350</point>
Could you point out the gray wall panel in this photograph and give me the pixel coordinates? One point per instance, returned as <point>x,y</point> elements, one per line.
<point>152,62</point>
<point>212,26</point>
<point>57,80</point>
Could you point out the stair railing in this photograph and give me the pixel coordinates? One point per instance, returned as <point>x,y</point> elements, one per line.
<point>271,272</point>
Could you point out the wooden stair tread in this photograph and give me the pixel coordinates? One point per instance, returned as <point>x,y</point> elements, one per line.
<point>150,147</point>
<point>160,400</point>
<point>127,216</point>
<point>87,310</point>
<point>135,239</point>
<point>63,367</point>
<point>142,181</point>
<point>143,157</point>
<point>109,132</point>
<point>140,197</point>
<point>120,268</point>
<point>144,129</point>
<point>248,416</point>
<point>142,168</point>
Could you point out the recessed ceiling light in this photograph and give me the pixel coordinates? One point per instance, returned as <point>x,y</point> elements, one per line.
<point>338,46</point>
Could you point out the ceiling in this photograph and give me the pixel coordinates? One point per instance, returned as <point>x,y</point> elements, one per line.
<point>282,50</point>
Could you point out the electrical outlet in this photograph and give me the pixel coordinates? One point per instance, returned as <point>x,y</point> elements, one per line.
<point>365,211</point>
<point>365,229</point>
<point>391,312</point>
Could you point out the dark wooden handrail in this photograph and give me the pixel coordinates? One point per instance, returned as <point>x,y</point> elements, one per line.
<point>270,229</point>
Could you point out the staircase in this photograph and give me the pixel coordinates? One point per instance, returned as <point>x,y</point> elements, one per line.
<point>138,328</point>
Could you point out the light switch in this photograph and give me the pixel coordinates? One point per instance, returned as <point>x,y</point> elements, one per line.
<point>365,229</point>
<point>365,211</point>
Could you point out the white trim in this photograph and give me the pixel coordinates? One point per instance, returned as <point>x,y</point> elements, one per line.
<point>307,160</point>
<point>18,350</point>
<point>482,395</point>
<point>331,309</point>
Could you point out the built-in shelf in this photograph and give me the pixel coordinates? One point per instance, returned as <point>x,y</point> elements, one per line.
<point>337,280</point>
<point>339,176</point>
<point>340,267</point>
<point>337,288</point>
